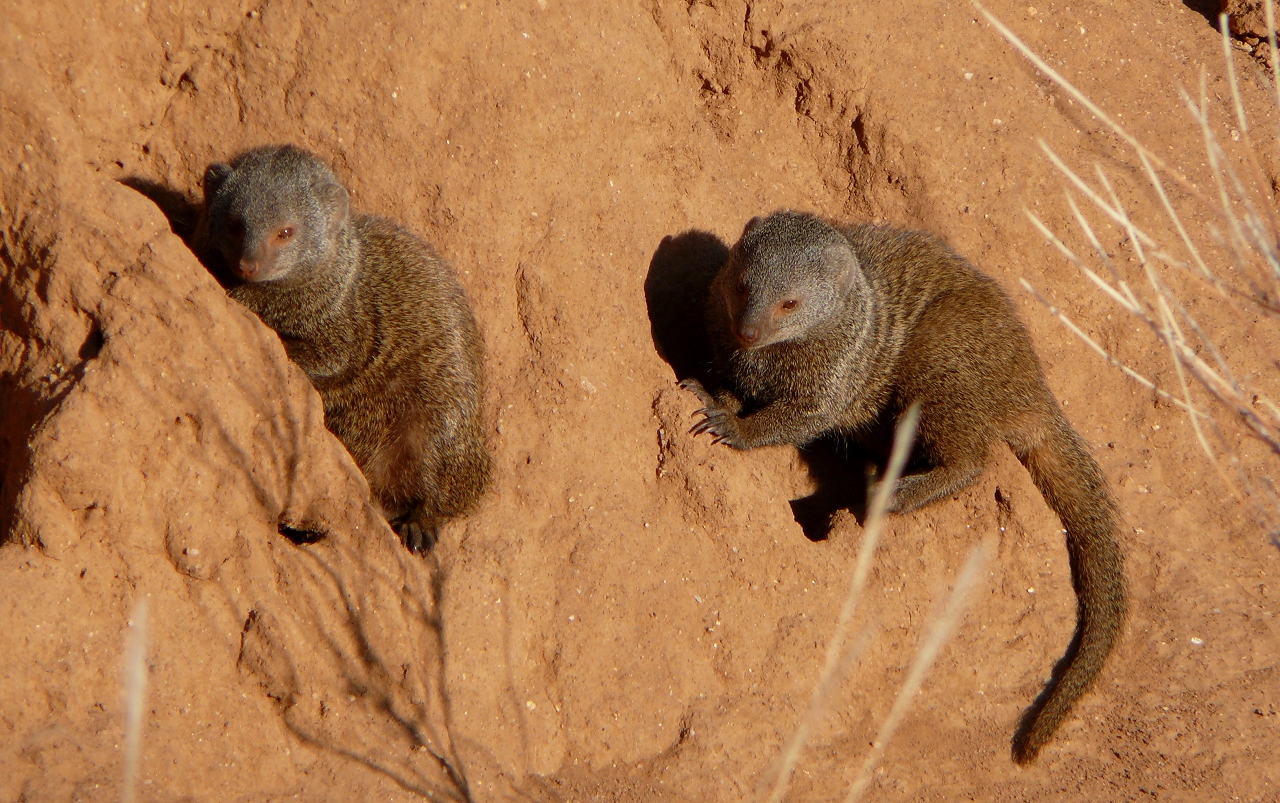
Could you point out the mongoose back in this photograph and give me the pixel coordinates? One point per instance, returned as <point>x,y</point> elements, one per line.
<point>375,318</point>
<point>817,329</point>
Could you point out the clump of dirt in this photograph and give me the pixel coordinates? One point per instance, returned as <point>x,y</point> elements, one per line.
<point>1247,24</point>
<point>632,614</point>
<point>1246,19</point>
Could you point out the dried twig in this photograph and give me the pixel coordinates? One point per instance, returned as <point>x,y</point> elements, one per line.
<point>836,662</point>
<point>1244,229</point>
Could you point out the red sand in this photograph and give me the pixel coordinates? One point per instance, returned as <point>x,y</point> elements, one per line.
<point>633,614</point>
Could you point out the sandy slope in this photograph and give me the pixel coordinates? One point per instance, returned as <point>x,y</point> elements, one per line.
<point>633,614</point>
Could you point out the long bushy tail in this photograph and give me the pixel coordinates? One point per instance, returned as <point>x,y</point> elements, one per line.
<point>1075,488</point>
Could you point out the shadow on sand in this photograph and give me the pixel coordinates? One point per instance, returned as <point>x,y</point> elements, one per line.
<point>675,291</point>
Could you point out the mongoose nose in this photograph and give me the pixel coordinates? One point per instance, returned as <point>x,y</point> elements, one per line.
<point>248,268</point>
<point>748,335</point>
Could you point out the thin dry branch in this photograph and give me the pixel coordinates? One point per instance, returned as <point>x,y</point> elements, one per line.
<point>135,677</point>
<point>940,631</point>
<point>1108,356</point>
<point>832,666</point>
<point>1084,100</point>
<point>1243,226</point>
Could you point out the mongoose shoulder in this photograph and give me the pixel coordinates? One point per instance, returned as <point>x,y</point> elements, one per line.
<point>821,329</point>
<point>375,318</point>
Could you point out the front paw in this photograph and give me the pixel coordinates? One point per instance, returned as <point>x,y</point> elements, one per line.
<point>722,424</point>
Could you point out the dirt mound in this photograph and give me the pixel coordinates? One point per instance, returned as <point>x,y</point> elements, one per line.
<point>633,614</point>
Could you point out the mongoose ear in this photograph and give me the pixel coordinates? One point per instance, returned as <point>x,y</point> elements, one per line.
<point>337,205</point>
<point>213,178</point>
<point>845,268</point>
<point>751,224</point>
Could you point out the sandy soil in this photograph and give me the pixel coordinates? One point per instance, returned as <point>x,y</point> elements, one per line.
<point>633,614</point>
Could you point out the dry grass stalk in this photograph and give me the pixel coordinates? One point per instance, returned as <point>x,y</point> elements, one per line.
<point>1237,258</point>
<point>838,660</point>
<point>939,632</point>
<point>135,695</point>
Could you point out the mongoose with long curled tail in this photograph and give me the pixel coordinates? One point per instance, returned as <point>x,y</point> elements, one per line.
<point>375,318</point>
<point>822,329</point>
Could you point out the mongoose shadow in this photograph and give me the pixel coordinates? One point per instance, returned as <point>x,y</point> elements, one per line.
<point>675,291</point>
<point>183,214</point>
<point>182,211</point>
<point>1206,8</point>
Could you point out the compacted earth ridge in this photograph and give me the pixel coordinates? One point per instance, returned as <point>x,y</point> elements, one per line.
<point>632,613</point>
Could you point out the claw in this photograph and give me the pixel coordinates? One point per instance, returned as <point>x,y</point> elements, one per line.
<point>695,387</point>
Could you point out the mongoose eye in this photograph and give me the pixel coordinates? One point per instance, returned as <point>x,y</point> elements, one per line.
<point>285,234</point>
<point>235,227</point>
<point>789,304</point>
<point>742,287</point>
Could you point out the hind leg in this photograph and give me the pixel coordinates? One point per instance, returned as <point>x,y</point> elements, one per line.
<point>448,484</point>
<point>428,479</point>
<point>917,490</point>
<point>957,451</point>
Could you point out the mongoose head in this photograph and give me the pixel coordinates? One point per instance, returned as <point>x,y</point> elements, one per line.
<point>273,211</point>
<point>787,274</point>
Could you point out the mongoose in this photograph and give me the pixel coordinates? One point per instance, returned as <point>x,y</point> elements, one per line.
<point>820,329</point>
<point>375,318</point>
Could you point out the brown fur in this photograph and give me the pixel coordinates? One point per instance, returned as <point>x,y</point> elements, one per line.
<point>375,318</point>
<point>818,329</point>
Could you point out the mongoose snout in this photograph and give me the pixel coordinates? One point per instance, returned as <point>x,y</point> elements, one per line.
<point>262,261</point>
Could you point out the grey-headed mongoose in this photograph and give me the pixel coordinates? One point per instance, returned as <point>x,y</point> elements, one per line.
<point>374,317</point>
<point>818,329</point>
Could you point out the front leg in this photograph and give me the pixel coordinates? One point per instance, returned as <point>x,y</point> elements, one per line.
<point>775,423</point>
